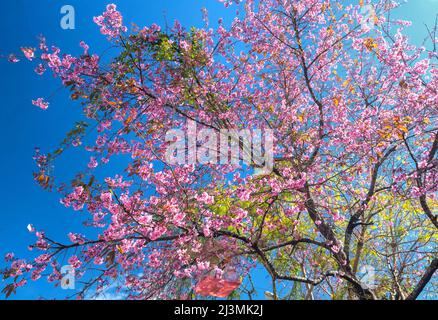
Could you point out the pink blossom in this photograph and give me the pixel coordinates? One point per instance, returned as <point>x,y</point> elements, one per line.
<point>29,53</point>
<point>30,228</point>
<point>85,47</point>
<point>36,274</point>
<point>74,262</point>
<point>40,103</point>
<point>40,69</point>
<point>93,163</point>
<point>20,283</point>
<point>207,228</point>
<point>9,257</point>
<point>205,198</point>
<point>13,59</point>
<point>110,22</point>
<point>76,238</point>
<point>44,258</point>
<point>106,197</point>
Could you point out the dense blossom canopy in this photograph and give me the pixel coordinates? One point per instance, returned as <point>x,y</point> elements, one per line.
<point>353,109</point>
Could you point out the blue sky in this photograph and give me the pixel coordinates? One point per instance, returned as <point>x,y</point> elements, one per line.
<point>23,126</point>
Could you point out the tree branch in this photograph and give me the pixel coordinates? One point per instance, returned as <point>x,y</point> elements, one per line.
<point>424,280</point>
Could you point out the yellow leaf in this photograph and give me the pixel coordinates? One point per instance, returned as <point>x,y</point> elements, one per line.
<point>376,19</point>
<point>404,129</point>
<point>370,44</point>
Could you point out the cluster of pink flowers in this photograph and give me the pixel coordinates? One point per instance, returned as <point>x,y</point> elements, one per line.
<point>13,58</point>
<point>110,22</point>
<point>205,198</point>
<point>40,103</point>
<point>93,163</point>
<point>190,221</point>
<point>29,53</point>
<point>77,198</point>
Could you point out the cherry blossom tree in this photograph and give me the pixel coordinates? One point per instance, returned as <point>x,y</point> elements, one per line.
<point>352,105</point>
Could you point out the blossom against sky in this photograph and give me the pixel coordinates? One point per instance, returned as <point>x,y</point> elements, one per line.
<point>24,126</point>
